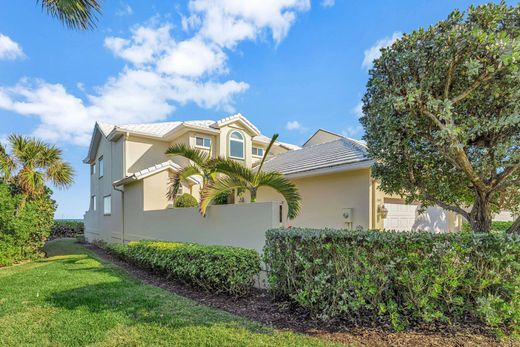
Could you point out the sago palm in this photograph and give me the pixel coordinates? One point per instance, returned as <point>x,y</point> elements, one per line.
<point>201,164</point>
<point>75,14</point>
<point>32,163</point>
<point>237,177</point>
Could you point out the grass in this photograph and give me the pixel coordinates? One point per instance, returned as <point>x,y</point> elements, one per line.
<point>75,299</point>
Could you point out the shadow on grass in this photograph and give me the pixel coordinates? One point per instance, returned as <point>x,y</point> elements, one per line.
<point>139,304</point>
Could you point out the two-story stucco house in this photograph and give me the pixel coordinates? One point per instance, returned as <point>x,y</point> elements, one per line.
<point>130,174</point>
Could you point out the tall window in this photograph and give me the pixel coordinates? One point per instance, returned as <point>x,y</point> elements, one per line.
<point>236,145</point>
<point>93,202</point>
<point>93,168</point>
<point>101,167</point>
<point>107,205</point>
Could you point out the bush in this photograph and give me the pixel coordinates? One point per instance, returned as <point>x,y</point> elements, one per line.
<point>212,268</point>
<point>23,232</point>
<point>496,226</point>
<point>186,200</point>
<point>67,228</point>
<point>396,277</point>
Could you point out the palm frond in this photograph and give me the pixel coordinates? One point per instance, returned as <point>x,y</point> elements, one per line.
<point>7,164</point>
<point>233,168</point>
<point>60,174</point>
<point>285,187</point>
<point>31,182</point>
<point>218,187</point>
<point>273,140</point>
<point>75,14</point>
<point>195,155</point>
<point>181,175</point>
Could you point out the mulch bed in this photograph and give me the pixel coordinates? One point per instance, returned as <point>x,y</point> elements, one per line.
<point>259,307</point>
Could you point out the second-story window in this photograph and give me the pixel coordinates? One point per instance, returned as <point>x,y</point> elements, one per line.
<point>258,152</point>
<point>204,142</point>
<point>101,167</point>
<point>93,168</point>
<point>236,145</point>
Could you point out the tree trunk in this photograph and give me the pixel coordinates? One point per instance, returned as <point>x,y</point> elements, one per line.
<point>515,228</point>
<point>480,215</point>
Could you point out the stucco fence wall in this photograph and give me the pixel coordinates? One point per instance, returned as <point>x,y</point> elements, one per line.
<point>242,225</point>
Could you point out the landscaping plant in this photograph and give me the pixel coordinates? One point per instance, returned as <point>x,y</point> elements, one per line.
<point>213,268</point>
<point>401,278</point>
<point>186,200</point>
<point>441,114</point>
<point>237,177</point>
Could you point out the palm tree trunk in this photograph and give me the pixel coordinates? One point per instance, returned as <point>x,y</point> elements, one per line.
<point>252,192</point>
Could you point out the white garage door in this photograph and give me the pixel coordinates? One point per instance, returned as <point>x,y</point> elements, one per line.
<point>406,218</point>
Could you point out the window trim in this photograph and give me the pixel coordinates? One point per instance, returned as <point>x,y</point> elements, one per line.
<point>104,205</point>
<point>203,138</point>
<point>101,165</point>
<point>243,141</point>
<point>257,155</point>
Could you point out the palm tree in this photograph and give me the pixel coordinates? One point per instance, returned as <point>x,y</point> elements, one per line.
<point>237,177</point>
<point>75,14</point>
<point>31,164</point>
<point>201,165</point>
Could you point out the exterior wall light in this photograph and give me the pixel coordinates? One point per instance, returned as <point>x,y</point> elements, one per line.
<point>382,211</point>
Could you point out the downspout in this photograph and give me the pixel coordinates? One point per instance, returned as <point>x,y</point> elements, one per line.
<point>122,211</point>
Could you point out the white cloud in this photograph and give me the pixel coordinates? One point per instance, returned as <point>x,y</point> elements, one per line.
<point>353,131</point>
<point>374,52</point>
<point>358,110</point>
<point>328,3</point>
<point>293,125</point>
<point>227,22</point>
<point>9,50</point>
<point>124,10</point>
<point>161,74</point>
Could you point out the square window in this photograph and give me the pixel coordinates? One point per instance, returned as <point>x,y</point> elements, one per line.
<point>259,152</point>
<point>107,205</point>
<point>204,142</point>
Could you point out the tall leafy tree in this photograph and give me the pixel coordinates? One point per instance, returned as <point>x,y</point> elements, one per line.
<point>31,164</point>
<point>240,178</point>
<point>75,14</point>
<point>442,114</point>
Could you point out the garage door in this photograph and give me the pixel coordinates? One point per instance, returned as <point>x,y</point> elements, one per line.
<point>405,217</point>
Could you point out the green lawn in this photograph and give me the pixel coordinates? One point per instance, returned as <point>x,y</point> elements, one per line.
<point>76,299</point>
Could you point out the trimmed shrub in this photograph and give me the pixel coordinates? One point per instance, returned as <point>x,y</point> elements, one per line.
<point>496,226</point>
<point>23,231</point>
<point>67,228</point>
<point>186,200</point>
<point>212,268</point>
<point>401,278</point>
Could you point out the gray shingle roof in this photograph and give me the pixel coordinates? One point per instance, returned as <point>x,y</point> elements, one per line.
<point>324,155</point>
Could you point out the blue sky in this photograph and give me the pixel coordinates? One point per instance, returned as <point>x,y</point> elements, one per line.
<point>290,66</point>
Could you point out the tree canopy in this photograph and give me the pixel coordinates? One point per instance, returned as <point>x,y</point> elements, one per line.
<point>441,114</point>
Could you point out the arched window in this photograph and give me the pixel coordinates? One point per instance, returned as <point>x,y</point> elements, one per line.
<point>236,145</point>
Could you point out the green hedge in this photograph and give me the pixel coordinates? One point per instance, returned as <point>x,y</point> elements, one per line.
<point>67,228</point>
<point>23,230</point>
<point>495,226</point>
<point>396,277</point>
<point>212,268</point>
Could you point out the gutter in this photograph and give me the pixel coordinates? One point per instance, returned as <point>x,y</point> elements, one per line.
<point>365,164</point>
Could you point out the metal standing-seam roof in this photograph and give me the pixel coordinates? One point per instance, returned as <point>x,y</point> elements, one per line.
<point>343,151</point>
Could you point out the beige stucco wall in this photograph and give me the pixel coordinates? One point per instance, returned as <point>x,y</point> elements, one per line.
<point>325,196</point>
<point>223,225</point>
<point>97,225</point>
